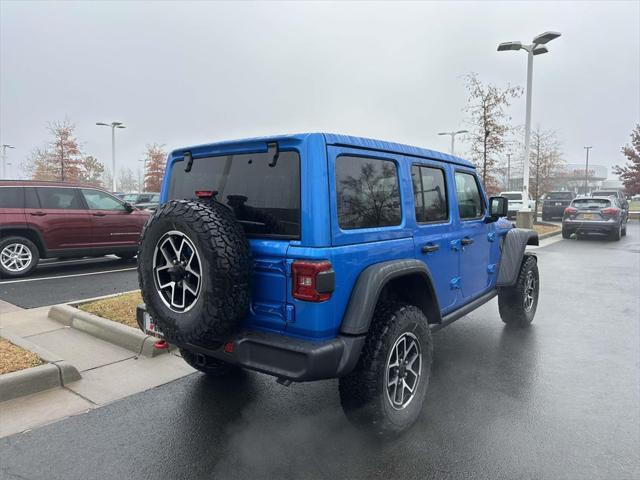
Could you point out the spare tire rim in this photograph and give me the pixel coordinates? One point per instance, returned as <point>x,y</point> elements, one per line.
<point>529,291</point>
<point>404,367</point>
<point>177,271</point>
<point>16,257</point>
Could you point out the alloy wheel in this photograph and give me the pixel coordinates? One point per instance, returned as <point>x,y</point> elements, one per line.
<point>177,271</point>
<point>529,291</point>
<point>16,257</point>
<point>404,367</point>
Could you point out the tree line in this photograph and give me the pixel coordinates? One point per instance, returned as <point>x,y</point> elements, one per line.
<point>62,159</point>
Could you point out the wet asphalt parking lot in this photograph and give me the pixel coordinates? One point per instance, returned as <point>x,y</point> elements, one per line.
<point>560,399</point>
<point>60,281</point>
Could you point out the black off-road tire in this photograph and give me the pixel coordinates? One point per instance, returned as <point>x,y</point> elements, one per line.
<point>225,257</point>
<point>211,366</point>
<point>566,233</point>
<point>624,229</point>
<point>363,392</point>
<point>33,249</point>
<point>511,300</point>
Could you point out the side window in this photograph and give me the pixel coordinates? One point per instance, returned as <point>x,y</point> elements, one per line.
<point>429,194</point>
<point>470,204</point>
<point>58,198</point>
<point>30,198</point>
<point>97,200</point>
<point>367,193</point>
<point>11,197</point>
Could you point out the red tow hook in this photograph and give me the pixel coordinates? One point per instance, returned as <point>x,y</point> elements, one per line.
<point>161,345</point>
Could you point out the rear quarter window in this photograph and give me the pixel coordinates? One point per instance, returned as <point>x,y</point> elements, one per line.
<point>265,196</point>
<point>367,192</point>
<point>11,197</point>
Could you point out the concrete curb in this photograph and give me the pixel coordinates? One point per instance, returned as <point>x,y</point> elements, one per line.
<point>55,373</point>
<point>113,332</point>
<point>549,234</point>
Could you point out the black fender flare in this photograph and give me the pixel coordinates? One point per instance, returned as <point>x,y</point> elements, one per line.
<point>513,246</point>
<point>373,279</point>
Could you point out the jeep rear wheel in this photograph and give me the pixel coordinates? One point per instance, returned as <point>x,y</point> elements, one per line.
<point>194,268</point>
<point>518,304</point>
<point>386,390</point>
<point>18,256</point>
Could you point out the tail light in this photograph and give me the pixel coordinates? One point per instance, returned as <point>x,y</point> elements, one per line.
<point>610,212</point>
<point>570,211</point>
<point>313,281</point>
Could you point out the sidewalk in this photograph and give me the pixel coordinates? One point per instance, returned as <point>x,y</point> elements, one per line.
<point>109,372</point>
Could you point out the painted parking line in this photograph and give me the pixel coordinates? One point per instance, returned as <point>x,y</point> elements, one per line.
<point>66,276</point>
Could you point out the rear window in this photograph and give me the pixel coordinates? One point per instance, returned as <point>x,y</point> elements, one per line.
<point>11,197</point>
<point>605,193</point>
<point>559,196</point>
<point>591,203</point>
<point>265,197</point>
<point>367,193</point>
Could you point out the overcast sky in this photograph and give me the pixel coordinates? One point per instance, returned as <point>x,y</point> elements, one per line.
<point>186,73</point>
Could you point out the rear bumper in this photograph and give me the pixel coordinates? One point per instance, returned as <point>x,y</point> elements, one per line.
<point>282,356</point>
<point>589,226</point>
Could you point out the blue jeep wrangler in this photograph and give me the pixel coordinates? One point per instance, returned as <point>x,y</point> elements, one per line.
<point>318,256</point>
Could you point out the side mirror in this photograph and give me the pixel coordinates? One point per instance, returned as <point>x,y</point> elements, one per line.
<point>128,207</point>
<point>498,207</point>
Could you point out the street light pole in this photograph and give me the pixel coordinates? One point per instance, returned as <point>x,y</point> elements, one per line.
<point>453,138</point>
<point>537,47</point>
<point>508,171</point>
<point>586,171</point>
<point>4,160</point>
<point>113,126</point>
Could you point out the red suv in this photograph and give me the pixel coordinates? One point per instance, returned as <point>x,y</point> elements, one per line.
<point>47,219</point>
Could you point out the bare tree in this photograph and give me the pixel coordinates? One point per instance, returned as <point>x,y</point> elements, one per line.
<point>630,173</point>
<point>156,161</point>
<point>62,159</point>
<point>545,161</point>
<point>488,121</point>
<point>126,180</point>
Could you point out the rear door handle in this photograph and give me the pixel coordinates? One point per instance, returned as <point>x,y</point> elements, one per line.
<point>99,214</point>
<point>430,247</point>
<point>38,214</point>
<point>466,241</point>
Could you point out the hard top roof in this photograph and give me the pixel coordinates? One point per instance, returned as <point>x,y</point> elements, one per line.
<point>348,141</point>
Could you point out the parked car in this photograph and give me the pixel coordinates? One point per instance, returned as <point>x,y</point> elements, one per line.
<point>46,219</point>
<point>554,204</point>
<point>320,256</point>
<point>619,194</point>
<point>515,202</point>
<point>601,215</point>
<point>151,205</point>
<point>136,199</point>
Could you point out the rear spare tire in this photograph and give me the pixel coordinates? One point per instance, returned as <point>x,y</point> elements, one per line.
<point>194,268</point>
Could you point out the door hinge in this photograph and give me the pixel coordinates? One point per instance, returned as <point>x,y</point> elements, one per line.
<point>491,236</point>
<point>455,283</point>
<point>455,245</point>
<point>491,268</point>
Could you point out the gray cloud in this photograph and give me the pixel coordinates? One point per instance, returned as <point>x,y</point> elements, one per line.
<point>184,73</point>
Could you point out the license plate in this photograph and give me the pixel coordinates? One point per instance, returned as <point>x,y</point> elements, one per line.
<point>150,326</point>
<point>587,216</point>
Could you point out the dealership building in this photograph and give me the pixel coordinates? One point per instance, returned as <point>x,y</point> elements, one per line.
<point>572,177</point>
